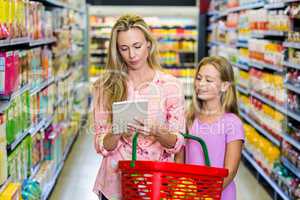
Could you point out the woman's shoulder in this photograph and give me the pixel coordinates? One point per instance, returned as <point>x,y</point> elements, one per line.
<point>167,80</point>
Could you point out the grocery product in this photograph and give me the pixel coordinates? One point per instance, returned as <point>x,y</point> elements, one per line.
<point>11,192</point>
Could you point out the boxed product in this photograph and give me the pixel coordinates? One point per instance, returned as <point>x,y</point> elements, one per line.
<point>9,70</point>
<point>3,153</point>
<point>11,192</point>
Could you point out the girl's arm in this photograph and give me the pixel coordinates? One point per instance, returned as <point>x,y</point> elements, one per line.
<point>232,160</point>
<point>179,157</point>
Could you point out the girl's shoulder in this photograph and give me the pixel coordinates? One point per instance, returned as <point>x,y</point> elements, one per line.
<point>232,118</point>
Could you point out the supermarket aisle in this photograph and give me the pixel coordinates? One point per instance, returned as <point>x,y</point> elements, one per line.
<point>77,178</point>
<point>78,175</point>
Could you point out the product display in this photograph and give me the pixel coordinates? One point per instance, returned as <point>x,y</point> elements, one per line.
<point>261,40</point>
<point>41,65</point>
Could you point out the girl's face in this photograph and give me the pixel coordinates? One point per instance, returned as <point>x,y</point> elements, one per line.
<point>133,48</point>
<point>208,83</point>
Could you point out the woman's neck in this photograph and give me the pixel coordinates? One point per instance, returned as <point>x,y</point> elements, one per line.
<point>140,76</point>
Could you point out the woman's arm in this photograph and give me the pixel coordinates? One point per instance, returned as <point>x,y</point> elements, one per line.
<point>232,160</point>
<point>179,157</point>
<point>105,142</point>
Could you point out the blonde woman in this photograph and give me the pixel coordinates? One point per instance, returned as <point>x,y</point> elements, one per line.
<point>213,116</point>
<point>132,72</point>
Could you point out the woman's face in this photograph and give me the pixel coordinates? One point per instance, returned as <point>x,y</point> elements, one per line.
<point>133,48</point>
<point>208,83</point>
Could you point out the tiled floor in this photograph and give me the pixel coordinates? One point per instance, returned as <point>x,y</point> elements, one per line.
<point>78,175</point>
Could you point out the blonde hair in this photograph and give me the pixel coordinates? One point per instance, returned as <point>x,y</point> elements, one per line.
<point>113,81</point>
<point>228,98</point>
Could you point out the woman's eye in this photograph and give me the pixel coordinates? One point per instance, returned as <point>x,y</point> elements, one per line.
<point>210,81</point>
<point>137,47</point>
<point>123,49</point>
<point>198,78</point>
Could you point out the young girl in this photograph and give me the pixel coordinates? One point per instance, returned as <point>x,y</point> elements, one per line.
<point>132,73</point>
<point>213,116</point>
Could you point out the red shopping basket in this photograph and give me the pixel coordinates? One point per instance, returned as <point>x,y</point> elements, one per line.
<point>150,180</point>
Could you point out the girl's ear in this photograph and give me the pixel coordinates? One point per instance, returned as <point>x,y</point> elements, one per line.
<point>225,85</point>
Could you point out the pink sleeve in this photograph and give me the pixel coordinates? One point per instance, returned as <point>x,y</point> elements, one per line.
<point>175,113</point>
<point>101,125</point>
<point>234,129</point>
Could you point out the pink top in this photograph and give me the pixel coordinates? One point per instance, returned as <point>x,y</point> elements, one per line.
<point>166,104</point>
<point>216,135</point>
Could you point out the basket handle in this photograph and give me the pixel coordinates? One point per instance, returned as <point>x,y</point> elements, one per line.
<point>186,136</point>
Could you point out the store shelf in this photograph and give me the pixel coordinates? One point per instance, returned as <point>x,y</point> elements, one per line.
<point>291,140</point>
<point>34,171</point>
<point>291,1</point>
<point>15,94</point>
<point>295,45</point>
<point>241,45</point>
<point>42,86</point>
<point>275,6</point>
<point>43,41</point>
<point>276,188</point>
<point>293,115</point>
<point>69,147</point>
<point>292,65</point>
<point>262,34</point>
<point>14,42</point>
<point>247,7</point>
<point>292,87</point>
<point>240,66</point>
<point>290,166</point>
<point>56,3</point>
<point>268,102</point>
<point>261,65</point>
<point>4,105</point>
<point>260,129</point>
<point>3,186</point>
<point>242,90</point>
<point>51,185</point>
<point>17,141</point>
<point>36,128</point>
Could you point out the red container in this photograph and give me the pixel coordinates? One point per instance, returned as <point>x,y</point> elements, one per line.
<point>150,180</point>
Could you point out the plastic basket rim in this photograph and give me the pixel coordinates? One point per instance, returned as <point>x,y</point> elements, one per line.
<point>169,167</point>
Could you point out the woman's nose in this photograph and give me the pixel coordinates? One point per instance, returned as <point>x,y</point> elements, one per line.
<point>131,53</point>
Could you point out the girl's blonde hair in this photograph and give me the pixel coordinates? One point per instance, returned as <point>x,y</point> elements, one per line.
<point>228,98</point>
<point>112,83</point>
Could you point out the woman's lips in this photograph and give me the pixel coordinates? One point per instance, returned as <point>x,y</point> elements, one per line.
<point>134,62</point>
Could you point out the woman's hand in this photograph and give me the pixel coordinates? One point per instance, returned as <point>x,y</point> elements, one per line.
<point>110,141</point>
<point>160,132</point>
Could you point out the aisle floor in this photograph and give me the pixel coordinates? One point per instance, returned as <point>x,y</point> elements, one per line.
<point>78,175</point>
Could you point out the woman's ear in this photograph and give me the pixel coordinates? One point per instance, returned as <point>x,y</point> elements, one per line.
<point>148,45</point>
<point>225,85</point>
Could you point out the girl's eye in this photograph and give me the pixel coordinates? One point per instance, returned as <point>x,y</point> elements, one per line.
<point>123,49</point>
<point>198,78</point>
<point>210,81</point>
<point>137,47</point>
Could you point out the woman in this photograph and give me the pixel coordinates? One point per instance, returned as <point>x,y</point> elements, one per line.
<point>132,73</point>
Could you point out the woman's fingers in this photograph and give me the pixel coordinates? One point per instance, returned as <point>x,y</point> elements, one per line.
<point>138,128</point>
<point>139,121</point>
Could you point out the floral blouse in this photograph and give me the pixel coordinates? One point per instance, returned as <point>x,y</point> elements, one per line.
<point>166,104</point>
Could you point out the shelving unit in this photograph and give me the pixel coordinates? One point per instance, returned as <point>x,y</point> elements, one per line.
<point>249,41</point>
<point>261,172</point>
<point>46,97</point>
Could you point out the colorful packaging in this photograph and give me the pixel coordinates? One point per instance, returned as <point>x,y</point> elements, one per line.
<point>11,192</point>
<point>3,153</point>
